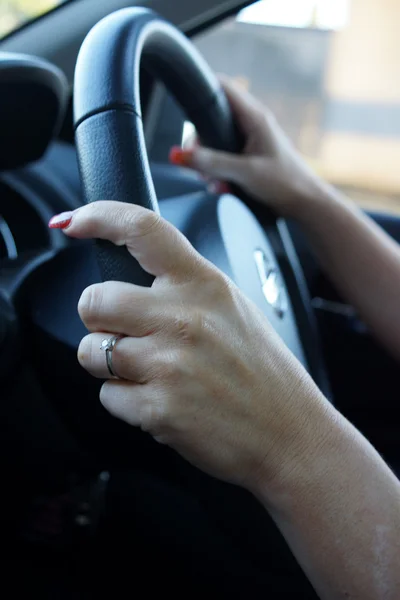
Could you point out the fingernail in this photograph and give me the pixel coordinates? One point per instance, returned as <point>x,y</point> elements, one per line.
<point>61,221</point>
<point>182,158</point>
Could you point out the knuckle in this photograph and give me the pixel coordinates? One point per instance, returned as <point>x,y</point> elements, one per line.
<point>221,288</point>
<point>172,365</point>
<point>144,222</point>
<point>190,325</point>
<point>90,303</point>
<point>187,328</point>
<point>89,217</point>
<point>93,216</point>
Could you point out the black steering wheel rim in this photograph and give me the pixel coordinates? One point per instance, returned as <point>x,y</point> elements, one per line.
<point>109,130</point>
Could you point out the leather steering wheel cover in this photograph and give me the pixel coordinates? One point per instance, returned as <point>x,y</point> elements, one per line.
<point>109,130</point>
<point>108,68</point>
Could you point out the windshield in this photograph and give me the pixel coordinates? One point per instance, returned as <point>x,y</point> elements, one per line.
<point>15,13</point>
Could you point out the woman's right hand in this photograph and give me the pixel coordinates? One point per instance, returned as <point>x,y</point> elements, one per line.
<point>269,169</point>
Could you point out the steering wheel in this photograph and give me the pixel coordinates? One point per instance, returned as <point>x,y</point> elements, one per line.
<point>114,164</point>
<point>108,112</point>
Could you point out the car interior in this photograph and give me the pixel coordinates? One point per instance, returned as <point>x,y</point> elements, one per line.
<point>90,506</point>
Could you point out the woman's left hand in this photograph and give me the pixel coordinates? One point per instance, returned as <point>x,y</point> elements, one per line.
<point>201,368</point>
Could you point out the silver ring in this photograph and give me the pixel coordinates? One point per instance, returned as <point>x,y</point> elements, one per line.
<point>108,346</point>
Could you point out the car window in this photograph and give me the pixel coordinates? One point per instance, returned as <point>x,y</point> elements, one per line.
<point>330,71</point>
<point>15,13</point>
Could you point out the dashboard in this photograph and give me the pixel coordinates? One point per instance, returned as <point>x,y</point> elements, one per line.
<point>30,196</point>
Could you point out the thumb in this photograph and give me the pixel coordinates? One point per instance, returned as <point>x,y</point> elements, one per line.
<point>213,163</point>
<point>156,244</point>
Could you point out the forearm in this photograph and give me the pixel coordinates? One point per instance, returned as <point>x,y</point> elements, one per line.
<point>360,259</point>
<point>338,507</point>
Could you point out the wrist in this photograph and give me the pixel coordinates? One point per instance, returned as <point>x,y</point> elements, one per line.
<point>321,433</point>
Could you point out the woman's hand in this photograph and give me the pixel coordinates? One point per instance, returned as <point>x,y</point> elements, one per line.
<point>269,169</point>
<point>202,370</point>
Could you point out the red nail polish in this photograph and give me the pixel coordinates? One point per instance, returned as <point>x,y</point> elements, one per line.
<point>182,158</point>
<point>61,221</point>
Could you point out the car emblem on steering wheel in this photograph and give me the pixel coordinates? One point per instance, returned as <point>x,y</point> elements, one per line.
<point>270,283</point>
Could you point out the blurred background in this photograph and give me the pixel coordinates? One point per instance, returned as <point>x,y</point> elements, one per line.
<point>329,69</point>
<point>14,13</point>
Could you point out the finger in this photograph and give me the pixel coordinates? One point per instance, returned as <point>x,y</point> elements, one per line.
<point>121,308</point>
<point>138,405</point>
<point>131,358</point>
<point>245,107</point>
<point>251,115</point>
<point>124,400</point>
<point>158,246</point>
<point>219,165</point>
<point>212,163</point>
